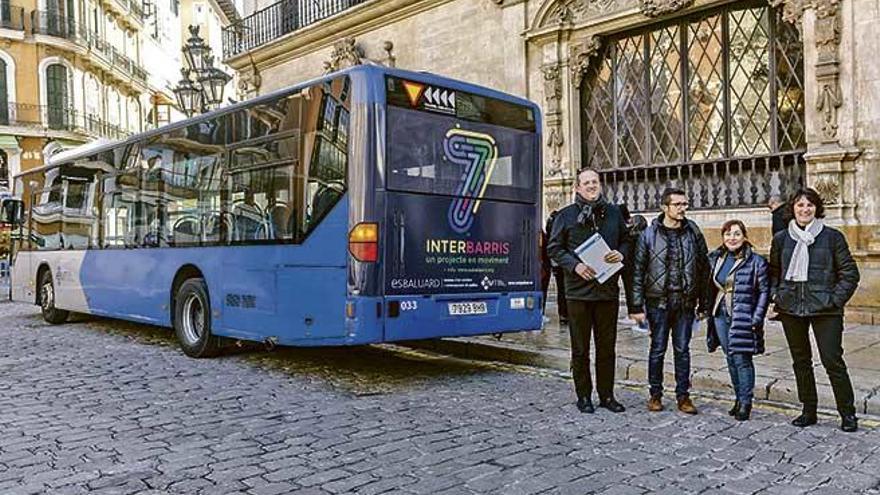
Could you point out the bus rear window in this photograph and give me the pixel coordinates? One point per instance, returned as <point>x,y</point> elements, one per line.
<point>440,154</point>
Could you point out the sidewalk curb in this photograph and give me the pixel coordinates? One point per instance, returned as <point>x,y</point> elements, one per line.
<point>770,390</point>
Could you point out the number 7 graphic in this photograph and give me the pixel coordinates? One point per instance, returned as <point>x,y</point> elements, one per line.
<point>477,153</point>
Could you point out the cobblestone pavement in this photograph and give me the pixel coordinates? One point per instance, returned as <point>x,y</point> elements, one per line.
<point>108,407</point>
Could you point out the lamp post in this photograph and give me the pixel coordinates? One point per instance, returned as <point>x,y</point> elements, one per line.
<point>201,85</point>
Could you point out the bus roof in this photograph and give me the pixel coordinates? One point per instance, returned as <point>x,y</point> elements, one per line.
<point>379,70</point>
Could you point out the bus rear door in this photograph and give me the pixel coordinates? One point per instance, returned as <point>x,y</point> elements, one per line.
<point>462,209</point>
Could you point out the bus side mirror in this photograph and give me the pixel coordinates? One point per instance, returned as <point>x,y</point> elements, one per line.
<point>11,212</point>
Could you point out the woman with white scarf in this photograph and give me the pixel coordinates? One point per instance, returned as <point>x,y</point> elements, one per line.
<point>813,275</point>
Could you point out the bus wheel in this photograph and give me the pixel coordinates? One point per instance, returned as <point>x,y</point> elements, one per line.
<point>51,314</point>
<point>192,320</point>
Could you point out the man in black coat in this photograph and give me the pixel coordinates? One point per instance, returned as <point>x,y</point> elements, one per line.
<point>592,307</point>
<point>670,282</point>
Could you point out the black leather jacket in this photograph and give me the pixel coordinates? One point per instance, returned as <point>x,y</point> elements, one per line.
<point>832,276</point>
<point>650,268</point>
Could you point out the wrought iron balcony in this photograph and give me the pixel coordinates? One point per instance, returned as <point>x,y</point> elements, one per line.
<point>11,17</point>
<point>136,9</point>
<point>54,24</point>
<point>57,25</point>
<point>727,183</point>
<point>58,119</point>
<point>277,20</point>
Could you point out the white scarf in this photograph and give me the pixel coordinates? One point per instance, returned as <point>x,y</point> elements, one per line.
<point>800,259</point>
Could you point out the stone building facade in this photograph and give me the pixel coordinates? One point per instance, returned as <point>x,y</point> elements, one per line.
<point>734,101</point>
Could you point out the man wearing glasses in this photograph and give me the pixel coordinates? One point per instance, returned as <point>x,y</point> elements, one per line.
<point>670,273</point>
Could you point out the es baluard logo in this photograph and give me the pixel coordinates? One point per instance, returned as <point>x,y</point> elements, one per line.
<point>475,152</point>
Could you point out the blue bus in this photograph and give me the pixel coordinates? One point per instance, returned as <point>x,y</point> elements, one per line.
<point>370,205</point>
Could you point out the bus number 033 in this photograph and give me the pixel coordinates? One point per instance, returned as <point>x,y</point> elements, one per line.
<point>409,305</point>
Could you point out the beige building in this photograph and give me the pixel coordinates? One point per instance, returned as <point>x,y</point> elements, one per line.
<point>72,71</point>
<point>734,101</point>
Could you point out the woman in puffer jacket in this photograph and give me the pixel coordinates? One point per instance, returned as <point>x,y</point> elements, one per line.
<point>740,288</point>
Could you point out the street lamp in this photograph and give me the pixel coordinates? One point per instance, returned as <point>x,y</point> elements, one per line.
<point>202,84</point>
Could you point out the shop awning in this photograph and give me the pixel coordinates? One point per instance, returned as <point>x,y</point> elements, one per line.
<point>8,142</point>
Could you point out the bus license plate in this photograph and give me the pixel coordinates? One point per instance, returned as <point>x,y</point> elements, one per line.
<point>468,308</point>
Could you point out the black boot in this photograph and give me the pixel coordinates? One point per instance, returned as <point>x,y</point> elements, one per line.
<point>612,405</point>
<point>734,409</point>
<point>807,418</point>
<point>849,423</point>
<point>585,405</point>
<point>743,413</point>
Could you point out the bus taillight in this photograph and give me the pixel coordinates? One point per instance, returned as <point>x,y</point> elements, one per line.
<point>363,242</point>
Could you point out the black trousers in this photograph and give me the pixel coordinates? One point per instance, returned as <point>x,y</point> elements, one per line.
<point>545,283</point>
<point>828,331</point>
<point>597,319</point>
<point>561,303</point>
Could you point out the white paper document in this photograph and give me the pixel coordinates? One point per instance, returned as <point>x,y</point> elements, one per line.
<point>592,253</point>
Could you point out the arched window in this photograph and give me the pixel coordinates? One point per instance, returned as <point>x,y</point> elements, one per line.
<point>712,103</point>
<point>4,94</point>
<point>58,97</point>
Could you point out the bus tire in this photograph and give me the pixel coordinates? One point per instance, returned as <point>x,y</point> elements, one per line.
<point>50,313</point>
<point>192,320</point>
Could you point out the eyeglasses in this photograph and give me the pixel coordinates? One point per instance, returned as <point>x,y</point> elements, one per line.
<point>680,204</point>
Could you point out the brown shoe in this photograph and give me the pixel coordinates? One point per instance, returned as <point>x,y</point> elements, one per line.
<point>655,404</point>
<point>686,406</point>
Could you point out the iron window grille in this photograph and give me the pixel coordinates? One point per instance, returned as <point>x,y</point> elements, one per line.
<point>697,100</point>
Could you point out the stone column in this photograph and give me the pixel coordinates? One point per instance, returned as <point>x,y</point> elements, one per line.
<point>562,115</point>
<point>556,107</point>
<point>842,83</point>
<point>831,149</point>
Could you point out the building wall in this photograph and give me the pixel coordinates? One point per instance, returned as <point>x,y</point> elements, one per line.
<point>540,48</point>
<point>464,39</point>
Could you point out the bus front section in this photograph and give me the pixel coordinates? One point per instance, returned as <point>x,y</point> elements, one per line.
<point>462,209</point>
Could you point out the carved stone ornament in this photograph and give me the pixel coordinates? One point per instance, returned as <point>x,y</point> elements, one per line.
<point>827,30</point>
<point>554,197</point>
<point>829,189</point>
<point>829,100</point>
<point>575,11</point>
<point>249,82</point>
<point>792,10</point>
<point>579,57</point>
<point>830,96</point>
<point>390,59</point>
<point>552,87</point>
<point>345,54</point>
<point>656,8</point>
<point>555,142</point>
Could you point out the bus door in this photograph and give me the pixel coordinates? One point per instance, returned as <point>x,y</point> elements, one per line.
<point>462,213</point>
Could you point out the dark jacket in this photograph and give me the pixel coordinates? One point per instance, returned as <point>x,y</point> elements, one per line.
<point>747,294</point>
<point>650,270</point>
<point>832,276</point>
<point>568,233</point>
<point>779,223</point>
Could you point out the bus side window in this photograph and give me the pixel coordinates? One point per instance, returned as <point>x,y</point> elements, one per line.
<point>328,168</point>
<point>46,211</point>
<point>181,191</point>
<point>79,219</point>
<point>119,205</point>
<point>262,183</point>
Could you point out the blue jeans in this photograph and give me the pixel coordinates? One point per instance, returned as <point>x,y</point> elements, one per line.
<point>739,365</point>
<point>662,322</point>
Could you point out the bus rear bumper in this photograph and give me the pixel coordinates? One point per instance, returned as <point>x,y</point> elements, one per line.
<point>459,315</point>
